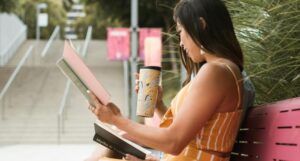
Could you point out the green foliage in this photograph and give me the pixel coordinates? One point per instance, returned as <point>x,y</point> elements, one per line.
<point>97,18</point>
<point>56,16</point>
<point>269,32</point>
<point>67,4</point>
<point>8,5</point>
<point>171,65</point>
<point>102,14</point>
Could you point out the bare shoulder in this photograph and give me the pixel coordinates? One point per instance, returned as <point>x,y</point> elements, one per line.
<point>211,83</point>
<point>213,72</point>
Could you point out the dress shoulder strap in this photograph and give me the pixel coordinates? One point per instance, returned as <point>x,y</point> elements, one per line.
<point>237,85</point>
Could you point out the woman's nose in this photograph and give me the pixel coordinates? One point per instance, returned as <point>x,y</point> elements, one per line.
<point>181,43</point>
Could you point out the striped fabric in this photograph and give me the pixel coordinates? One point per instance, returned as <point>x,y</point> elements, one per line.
<point>218,134</point>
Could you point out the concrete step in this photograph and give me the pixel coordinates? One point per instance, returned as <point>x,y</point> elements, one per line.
<point>75,14</point>
<point>46,152</point>
<point>5,73</point>
<point>69,29</point>
<point>70,21</point>
<point>71,36</point>
<point>78,7</point>
<point>36,130</point>
<point>33,100</point>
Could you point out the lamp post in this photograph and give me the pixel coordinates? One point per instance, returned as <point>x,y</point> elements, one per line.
<point>41,19</point>
<point>133,59</point>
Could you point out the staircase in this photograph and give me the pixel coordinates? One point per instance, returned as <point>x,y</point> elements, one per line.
<point>77,11</point>
<point>32,102</point>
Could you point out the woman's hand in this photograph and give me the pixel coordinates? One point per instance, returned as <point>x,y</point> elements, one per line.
<point>105,113</point>
<point>133,158</point>
<point>160,90</point>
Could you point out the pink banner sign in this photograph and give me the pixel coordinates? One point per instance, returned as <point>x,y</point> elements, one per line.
<point>146,33</point>
<point>153,50</point>
<point>118,43</point>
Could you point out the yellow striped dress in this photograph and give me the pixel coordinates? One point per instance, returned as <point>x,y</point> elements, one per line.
<point>218,134</point>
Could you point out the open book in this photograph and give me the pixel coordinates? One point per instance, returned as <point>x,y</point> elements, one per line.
<point>112,140</point>
<point>74,68</point>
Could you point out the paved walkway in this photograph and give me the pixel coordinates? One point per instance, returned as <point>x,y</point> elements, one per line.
<point>46,152</point>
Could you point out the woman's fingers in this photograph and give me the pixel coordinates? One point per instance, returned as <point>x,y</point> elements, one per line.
<point>136,88</point>
<point>136,82</point>
<point>137,75</point>
<point>151,158</point>
<point>95,105</point>
<point>92,108</point>
<point>132,158</point>
<point>93,99</point>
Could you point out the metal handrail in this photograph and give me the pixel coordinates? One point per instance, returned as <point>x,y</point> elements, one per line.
<point>60,117</point>
<point>83,52</point>
<point>61,110</point>
<point>47,46</point>
<point>13,76</point>
<point>88,37</point>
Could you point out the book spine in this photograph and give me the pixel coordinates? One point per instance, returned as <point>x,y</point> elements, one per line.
<point>107,144</point>
<point>62,64</point>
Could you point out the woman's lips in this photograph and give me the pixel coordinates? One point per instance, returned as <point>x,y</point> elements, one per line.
<point>187,51</point>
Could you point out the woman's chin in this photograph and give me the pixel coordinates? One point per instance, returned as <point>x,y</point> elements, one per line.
<point>193,60</point>
<point>197,60</point>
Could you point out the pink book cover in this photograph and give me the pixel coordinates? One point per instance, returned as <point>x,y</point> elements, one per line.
<point>84,73</point>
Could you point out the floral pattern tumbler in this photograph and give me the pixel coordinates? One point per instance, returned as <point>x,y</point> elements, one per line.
<point>148,90</point>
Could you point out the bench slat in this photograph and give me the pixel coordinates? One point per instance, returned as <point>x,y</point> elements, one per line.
<point>270,132</point>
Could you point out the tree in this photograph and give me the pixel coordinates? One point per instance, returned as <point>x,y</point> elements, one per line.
<point>152,13</point>
<point>55,12</point>
<point>8,5</point>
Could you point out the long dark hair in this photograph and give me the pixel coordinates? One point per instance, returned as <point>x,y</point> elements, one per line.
<point>217,36</point>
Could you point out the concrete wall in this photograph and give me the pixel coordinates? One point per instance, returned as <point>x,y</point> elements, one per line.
<point>12,34</point>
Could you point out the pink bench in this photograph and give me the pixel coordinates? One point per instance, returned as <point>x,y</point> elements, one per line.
<point>270,132</point>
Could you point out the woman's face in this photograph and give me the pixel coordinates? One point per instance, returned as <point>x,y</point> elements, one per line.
<point>191,48</point>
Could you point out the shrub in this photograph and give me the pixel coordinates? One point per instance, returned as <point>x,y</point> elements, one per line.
<point>269,32</point>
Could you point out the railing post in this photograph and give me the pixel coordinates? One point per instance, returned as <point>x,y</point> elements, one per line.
<point>14,74</point>
<point>47,46</point>
<point>86,41</point>
<point>126,86</point>
<point>61,110</point>
<point>3,109</point>
<point>58,129</point>
<point>61,113</point>
<point>62,121</point>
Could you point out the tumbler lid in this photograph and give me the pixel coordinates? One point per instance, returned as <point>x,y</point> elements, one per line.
<point>151,67</point>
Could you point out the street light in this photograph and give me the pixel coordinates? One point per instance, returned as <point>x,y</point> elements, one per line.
<point>134,47</point>
<point>41,19</point>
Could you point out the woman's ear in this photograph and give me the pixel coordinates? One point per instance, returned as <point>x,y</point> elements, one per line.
<point>202,23</point>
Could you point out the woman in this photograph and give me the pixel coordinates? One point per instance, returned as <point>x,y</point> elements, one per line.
<point>203,119</point>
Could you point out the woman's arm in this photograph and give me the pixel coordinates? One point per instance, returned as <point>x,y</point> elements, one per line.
<point>161,109</point>
<point>205,95</point>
